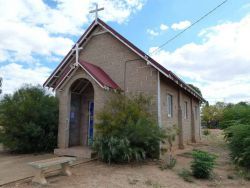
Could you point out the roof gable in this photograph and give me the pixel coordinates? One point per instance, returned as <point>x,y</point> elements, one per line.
<point>95,72</point>
<point>53,79</point>
<point>99,75</point>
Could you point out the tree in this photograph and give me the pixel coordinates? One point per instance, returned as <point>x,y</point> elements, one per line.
<point>29,120</point>
<point>236,114</point>
<point>225,115</point>
<point>195,89</point>
<point>212,114</point>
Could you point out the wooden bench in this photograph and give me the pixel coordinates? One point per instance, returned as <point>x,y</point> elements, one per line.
<point>43,165</point>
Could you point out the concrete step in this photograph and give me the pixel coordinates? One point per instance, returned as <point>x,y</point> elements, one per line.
<point>83,152</point>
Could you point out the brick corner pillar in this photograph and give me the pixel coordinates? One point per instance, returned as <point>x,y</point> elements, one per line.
<point>63,123</point>
<point>180,122</point>
<point>193,138</point>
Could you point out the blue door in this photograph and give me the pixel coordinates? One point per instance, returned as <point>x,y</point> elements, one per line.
<point>91,123</point>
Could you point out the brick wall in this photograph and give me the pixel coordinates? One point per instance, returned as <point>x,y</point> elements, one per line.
<point>114,57</point>
<point>134,76</point>
<point>167,87</point>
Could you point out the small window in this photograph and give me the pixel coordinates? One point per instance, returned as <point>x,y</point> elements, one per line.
<point>170,105</point>
<point>185,110</point>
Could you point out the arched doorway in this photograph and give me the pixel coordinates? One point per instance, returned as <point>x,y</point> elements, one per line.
<point>81,113</point>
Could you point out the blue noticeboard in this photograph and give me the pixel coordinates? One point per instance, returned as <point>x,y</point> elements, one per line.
<point>91,123</point>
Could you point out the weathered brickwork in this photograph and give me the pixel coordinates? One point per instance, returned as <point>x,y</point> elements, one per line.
<point>64,96</point>
<point>113,57</point>
<point>133,75</point>
<point>178,119</point>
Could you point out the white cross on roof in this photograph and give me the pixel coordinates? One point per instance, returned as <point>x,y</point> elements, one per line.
<point>96,11</point>
<point>77,49</point>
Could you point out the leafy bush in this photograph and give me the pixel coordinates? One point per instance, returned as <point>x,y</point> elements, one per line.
<point>186,175</point>
<point>126,130</point>
<point>116,149</point>
<point>235,114</point>
<point>225,115</point>
<point>206,132</point>
<point>238,137</point>
<point>212,115</point>
<point>202,164</point>
<point>168,164</point>
<point>170,134</point>
<point>243,173</point>
<point>29,120</point>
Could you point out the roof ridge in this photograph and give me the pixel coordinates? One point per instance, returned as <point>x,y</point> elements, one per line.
<point>134,48</point>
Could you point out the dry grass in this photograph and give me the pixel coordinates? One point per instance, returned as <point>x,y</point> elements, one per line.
<point>148,174</point>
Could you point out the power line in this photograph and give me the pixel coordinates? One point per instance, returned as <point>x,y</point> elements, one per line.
<point>197,21</point>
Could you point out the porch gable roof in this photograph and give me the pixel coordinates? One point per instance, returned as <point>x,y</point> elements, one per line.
<point>95,72</point>
<point>99,75</point>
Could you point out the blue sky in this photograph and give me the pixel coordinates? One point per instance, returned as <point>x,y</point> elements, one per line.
<point>168,12</point>
<point>213,54</point>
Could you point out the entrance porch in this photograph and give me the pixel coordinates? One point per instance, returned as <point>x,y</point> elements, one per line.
<point>80,121</point>
<point>82,91</point>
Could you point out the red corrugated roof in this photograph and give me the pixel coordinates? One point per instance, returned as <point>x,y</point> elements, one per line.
<point>102,77</point>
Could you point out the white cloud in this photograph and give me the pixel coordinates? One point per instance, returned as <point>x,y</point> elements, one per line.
<point>181,25</point>
<point>33,28</point>
<point>163,27</point>
<point>25,39</point>
<point>15,75</point>
<point>157,31</point>
<point>66,17</point>
<point>220,65</point>
<point>152,32</point>
<point>29,26</point>
<point>119,10</point>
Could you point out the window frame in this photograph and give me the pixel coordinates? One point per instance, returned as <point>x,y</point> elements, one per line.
<point>170,108</point>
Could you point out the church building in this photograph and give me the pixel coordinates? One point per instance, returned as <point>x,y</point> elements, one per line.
<point>103,62</point>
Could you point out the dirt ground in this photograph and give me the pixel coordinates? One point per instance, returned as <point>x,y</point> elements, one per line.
<point>148,174</point>
<point>14,166</point>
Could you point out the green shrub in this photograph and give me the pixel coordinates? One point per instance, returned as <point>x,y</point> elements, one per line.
<point>171,163</point>
<point>186,175</point>
<point>206,132</point>
<point>238,137</point>
<point>126,130</point>
<point>212,115</point>
<point>171,133</point>
<point>117,149</point>
<point>235,115</point>
<point>29,120</point>
<point>168,164</point>
<point>202,164</point>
